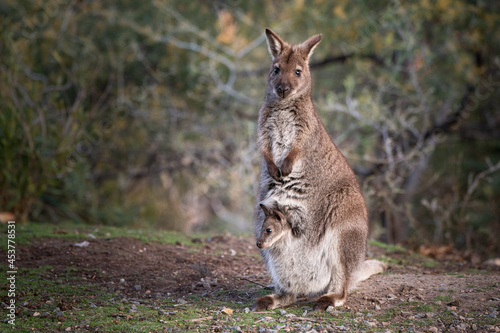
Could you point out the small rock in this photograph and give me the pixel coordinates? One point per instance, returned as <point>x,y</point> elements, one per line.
<point>84,322</point>
<point>181,301</point>
<point>493,314</point>
<point>377,307</point>
<point>305,328</point>
<point>433,329</point>
<point>454,303</point>
<point>232,252</point>
<point>474,327</point>
<point>290,315</point>
<point>266,319</point>
<point>161,312</point>
<point>429,315</point>
<point>341,328</point>
<point>137,287</point>
<point>246,310</point>
<point>282,312</point>
<point>82,244</point>
<point>405,288</point>
<point>133,308</point>
<point>237,329</point>
<point>36,314</point>
<point>68,329</point>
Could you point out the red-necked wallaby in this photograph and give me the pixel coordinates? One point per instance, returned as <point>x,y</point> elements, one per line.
<point>307,179</point>
<point>274,227</point>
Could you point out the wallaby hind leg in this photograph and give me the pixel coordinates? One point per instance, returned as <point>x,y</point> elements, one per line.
<point>273,301</point>
<point>369,268</point>
<point>332,299</point>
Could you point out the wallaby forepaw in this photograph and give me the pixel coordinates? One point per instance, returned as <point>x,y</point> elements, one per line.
<point>273,171</point>
<point>263,303</point>
<point>286,167</point>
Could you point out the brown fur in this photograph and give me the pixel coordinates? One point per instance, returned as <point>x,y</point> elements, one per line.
<point>309,180</point>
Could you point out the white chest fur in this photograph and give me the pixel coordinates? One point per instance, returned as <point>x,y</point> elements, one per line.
<point>282,134</point>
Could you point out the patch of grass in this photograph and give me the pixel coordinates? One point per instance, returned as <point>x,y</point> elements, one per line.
<point>443,298</point>
<point>430,263</point>
<point>422,307</point>
<point>389,248</point>
<point>27,231</point>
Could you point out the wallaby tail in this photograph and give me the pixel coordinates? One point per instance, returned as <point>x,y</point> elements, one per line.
<point>369,268</point>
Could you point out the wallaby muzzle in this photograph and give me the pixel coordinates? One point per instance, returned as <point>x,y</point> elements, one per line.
<point>283,90</point>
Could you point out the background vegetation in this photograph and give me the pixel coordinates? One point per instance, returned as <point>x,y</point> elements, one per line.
<point>132,112</point>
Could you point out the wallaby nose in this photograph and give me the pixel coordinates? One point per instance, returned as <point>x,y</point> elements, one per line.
<point>259,245</point>
<point>283,90</point>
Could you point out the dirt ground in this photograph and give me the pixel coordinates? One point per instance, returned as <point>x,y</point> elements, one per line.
<point>229,268</point>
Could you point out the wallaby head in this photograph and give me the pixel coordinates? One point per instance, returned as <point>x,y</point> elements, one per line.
<point>274,227</point>
<point>289,76</point>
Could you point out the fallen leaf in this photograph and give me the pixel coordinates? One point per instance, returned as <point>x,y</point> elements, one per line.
<point>227,311</point>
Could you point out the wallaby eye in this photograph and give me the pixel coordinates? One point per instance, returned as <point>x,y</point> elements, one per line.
<point>276,70</point>
<point>298,72</point>
<point>269,230</point>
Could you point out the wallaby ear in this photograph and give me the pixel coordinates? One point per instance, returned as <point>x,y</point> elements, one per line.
<point>266,209</point>
<point>309,45</point>
<point>274,43</point>
<point>279,215</point>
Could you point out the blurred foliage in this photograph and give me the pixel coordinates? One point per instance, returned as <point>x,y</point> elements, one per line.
<point>131,113</point>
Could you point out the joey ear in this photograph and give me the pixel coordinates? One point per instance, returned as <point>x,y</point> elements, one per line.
<point>309,45</point>
<point>279,215</point>
<point>274,43</point>
<point>266,209</point>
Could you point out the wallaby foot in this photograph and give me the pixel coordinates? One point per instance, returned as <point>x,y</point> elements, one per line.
<point>369,268</point>
<point>273,301</point>
<point>330,300</point>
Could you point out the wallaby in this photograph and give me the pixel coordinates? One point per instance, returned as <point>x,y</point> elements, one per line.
<point>308,179</point>
<point>274,228</point>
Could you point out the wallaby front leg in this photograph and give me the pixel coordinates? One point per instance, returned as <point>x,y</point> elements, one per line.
<point>272,168</point>
<point>287,166</point>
